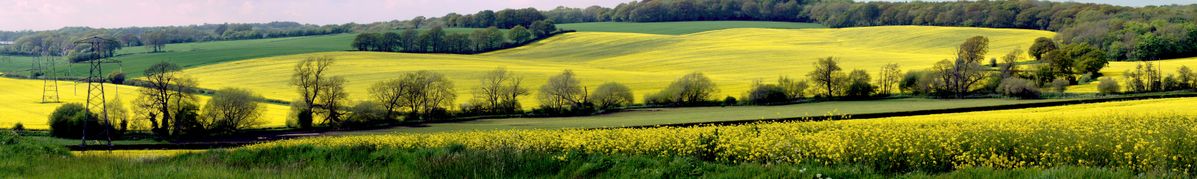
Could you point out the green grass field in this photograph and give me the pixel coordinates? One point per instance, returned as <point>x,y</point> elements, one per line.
<point>678,28</point>
<point>732,58</point>
<point>136,59</point>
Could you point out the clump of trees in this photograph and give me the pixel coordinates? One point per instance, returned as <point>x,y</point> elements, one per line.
<point>312,80</point>
<point>498,93</point>
<point>71,120</point>
<point>437,40</point>
<point>693,89</point>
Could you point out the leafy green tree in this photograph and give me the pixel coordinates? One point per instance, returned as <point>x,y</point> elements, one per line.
<point>432,40</point>
<point>1041,46</point>
<point>519,34</point>
<point>827,75</point>
<point>231,110</point>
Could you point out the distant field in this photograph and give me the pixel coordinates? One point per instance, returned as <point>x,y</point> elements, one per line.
<point>648,117</point>
<point>22,103</point>
<point>187,55</point>
<point>678,28</point>
<point>733,58</point>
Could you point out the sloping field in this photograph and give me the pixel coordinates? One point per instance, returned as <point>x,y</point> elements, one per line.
<point>22,103</point>
<point>733,58</point>
<point>677,28</point>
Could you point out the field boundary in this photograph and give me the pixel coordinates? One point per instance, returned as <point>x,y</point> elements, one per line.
<point>281,135</point>
<point>917,112</point>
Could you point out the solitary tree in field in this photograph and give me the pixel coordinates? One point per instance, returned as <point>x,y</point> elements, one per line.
<point>562,91</point>
<point>310,77</point>
<point>827,75</point>
<point>1041,46</point>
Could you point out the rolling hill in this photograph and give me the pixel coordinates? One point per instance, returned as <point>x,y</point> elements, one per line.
<point>683,27</point>
<point>733,58</point>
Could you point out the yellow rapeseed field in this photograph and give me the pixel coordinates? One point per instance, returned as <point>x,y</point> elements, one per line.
<point>22,103</point>
<point>733,58</point>
<point>1159,135</point>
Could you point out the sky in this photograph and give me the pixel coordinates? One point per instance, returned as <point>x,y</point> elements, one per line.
<point>54,14</point>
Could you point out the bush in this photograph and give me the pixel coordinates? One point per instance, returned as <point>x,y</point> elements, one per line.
<point>767,94</point>
<point>1060,85</point>
<point>365,114</point>
<point>690,90</point>
<point>860,90</point>
<point>1107,85</point>
<point>729,101</point>
<point>67,121</point>
<point>611,95</point>
<point>1018,87</point>
<point>231,110</point>
<point>19,128</point>
<point>116,77</point>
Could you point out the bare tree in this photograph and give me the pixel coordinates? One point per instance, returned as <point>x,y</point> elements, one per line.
<point>562,91</point>
<point>389,93</point>
<point>333,98</point>
<point>309,77</point>
<point>499,91</point>
<point>888,78</point>
<point>427,91</point>
<point>164,89</point>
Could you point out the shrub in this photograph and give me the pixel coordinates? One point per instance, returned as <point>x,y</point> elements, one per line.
<point>1107,85</point>
<point>19,128</point>
<point>1060,85</point>
<point>116,77</point>
<point>68,121</point>
<point>860,90</point>
<point>766,94</point>
<point>365,114</point>
<point>1018,87</point>
<point>729,101</point>
<point>690,90</point>
<point>611,95</point>
<point>231,110</point>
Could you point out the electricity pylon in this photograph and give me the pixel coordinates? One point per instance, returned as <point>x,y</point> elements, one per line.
<point>49,80</point>
<point>95,86</point>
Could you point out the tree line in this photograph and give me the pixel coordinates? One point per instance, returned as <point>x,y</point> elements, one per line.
<point>437,40</point>
<point>60,42</point>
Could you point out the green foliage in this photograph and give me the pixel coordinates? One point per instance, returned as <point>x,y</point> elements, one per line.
<point>764,94</point>
<point>116,77</point>
<point>365,114</point>
<point>1041,46</point>
<point>519,34</point>
<point>231,110</point>
<point>68,121</point>
<point>611,95</point>
<point>1060,85</point>
<point>683,27</point>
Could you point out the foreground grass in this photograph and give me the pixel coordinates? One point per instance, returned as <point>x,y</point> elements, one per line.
<point>678,28</point>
